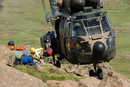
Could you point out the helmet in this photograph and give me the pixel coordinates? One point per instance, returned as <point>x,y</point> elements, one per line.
<point>18,47</point>
<point>11,47</point>
<point>32,50</point>
<point>11,43</point>
<point>21,47</point>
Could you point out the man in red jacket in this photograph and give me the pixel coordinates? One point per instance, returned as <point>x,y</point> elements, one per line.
<point>48,51</point>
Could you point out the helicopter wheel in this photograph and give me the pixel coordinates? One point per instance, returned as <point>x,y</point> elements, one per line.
<point>58,64</point>
<point>91,73</point>
<point>100,74</point>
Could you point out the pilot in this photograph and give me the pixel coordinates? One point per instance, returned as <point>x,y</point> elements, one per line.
<point>78,29</point>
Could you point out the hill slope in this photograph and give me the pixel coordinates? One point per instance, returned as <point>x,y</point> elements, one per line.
<point>23,22</point>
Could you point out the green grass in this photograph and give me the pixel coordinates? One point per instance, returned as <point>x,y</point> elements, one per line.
<point>121,63</point>
<point>23,22</point>
<point>48,73</point>
<point>120,20</point>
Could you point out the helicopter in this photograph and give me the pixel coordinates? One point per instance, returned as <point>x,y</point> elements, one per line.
<point>82,33</point>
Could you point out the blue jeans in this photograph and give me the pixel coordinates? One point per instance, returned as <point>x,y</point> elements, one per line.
<point>27,60</point>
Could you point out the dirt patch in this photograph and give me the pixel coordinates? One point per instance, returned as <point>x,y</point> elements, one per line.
<point>5,35</point>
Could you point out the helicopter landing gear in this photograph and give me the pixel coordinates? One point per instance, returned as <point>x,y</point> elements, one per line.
<point>96,72</point>
<point>58,64</point>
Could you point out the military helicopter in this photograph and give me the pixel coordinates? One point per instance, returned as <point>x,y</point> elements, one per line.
<point>82,33</point>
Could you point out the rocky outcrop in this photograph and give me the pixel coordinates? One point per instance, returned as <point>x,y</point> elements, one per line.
<point>68,83</point>
<point>6,55</point>
<point>115,80</point>
<point>90,82</point>
<point>83,70</point>
<point>10,77</point>
<point>111,80</point>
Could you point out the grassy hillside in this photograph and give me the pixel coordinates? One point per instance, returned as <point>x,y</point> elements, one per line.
<point>120,20</point>
<point>49,73</point>
<point>22,21</point>
<point>115,3</point>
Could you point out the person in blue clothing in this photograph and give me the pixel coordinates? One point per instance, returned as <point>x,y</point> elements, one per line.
<point>22,58</point>
<point>27,60</point>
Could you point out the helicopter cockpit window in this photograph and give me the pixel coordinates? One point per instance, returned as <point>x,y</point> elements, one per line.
<point>93,26</point>
<point>94,30</point>
<point>78,28</point>
<point>91,22</point>
<point>105,24</point>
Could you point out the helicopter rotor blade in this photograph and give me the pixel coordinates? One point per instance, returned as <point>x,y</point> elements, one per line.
<point>44,6</point>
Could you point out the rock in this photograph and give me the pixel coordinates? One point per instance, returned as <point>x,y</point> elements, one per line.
<point>38,67</point>
<point>83,70</point>
<point>106,68</point>
<point>68,83</point>
<point>115,80</point>
<point>89,82</point>
<point>10,77</point>
<point>6,55</point>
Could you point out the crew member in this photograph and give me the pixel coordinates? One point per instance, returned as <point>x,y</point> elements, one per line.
<point>10,43</point>
<point>24,59</point>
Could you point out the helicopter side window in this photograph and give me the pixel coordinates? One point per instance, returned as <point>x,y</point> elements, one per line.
<point>105,24</point>
<point>78,28</point>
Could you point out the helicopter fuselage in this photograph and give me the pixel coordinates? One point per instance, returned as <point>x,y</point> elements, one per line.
<point>87,38</point>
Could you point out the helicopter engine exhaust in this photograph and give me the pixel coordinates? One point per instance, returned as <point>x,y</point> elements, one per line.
<point>77,4</point>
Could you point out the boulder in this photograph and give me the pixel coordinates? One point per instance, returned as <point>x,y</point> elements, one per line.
<point>115,80</point>
<point>106,68</point>
<point>67,83</point>
<point>10,77</point>
<point>89,82</point>
<point>83,70</point>
<point>6,55</point>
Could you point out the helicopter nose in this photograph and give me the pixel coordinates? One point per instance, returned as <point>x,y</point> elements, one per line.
<point>98,47</point>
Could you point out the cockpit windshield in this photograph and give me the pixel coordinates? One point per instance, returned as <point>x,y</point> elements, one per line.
<point>78,28</point>
<point>91,24</point>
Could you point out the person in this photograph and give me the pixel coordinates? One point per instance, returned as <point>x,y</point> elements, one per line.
<point>78,29</point>
<point>24,51</point>
<point>37,53</point>
<point>21,57</point>
<point>10,43</point>
<point>48,51</point>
